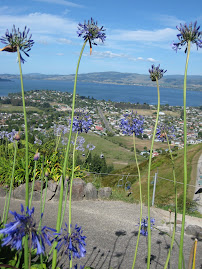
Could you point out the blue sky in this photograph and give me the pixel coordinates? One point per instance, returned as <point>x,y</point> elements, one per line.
<point>139,34</point>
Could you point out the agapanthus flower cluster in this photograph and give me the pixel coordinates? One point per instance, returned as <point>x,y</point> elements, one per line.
<point>90,31</point>
<point>79,143</point>
<point>72,244</point>
<point>10,136</point>
<point>24,224</point>
<point>132,123</point>
<point>156,72</point>
<point>188,33</point>
<point>81,124</point>
<point>60,129</point>
<point>90,147</point>
<point>18,39</point>
<point>144,226</point>
<point>165,132</point>
<point>37,141</point>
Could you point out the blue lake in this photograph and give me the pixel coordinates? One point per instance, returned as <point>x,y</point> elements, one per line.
<point>117,93</point>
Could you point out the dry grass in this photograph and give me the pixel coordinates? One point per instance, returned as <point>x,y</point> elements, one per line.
<point>150,112</point>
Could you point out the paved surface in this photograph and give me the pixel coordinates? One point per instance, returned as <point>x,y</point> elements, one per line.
<point>198,197</point>
<point>111,230</point>
<point>106,123</point>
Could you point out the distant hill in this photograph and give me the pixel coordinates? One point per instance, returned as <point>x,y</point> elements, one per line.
<point>169,81</point>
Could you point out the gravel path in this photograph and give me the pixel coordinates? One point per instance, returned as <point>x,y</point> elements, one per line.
<point>111,230</point>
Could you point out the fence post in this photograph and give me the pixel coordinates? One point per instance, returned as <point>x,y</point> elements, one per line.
<point>154,189</point>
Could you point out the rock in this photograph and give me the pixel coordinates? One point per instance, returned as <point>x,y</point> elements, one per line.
<point>49,195</point>
<point>194,230</point>
<point>3,192</point>
<point>78,189</point>
<point>36,196</point>
<point>90,192</point>
<point>104,192</point>
<point>37,185</point>
<point>19,193</point>
<point>56,197</point>
<point>52,185</point>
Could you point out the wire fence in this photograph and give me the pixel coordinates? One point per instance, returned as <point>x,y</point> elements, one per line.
<point>131,175</point>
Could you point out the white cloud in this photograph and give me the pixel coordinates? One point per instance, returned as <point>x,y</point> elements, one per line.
<point>168,20</point>
<point>44,27</point>
<point>109,54</point>
<point>60,54</point>
<point>143,35</point>
<point>151,60</point>
<point>61,2</point>
<point>64,41</point>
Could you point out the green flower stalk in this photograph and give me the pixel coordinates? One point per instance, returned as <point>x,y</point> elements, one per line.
<point>17,41</point>
<point>11,183</point>
<point>188,34</point>
<point>155,74</point>
<point>133,124</point>
<point>89,31</point>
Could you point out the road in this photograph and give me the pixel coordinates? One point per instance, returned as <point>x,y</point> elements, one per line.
<point>106,123</point>
<point>111,230</point>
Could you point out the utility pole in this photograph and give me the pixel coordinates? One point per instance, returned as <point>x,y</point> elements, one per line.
<point>154,189</point>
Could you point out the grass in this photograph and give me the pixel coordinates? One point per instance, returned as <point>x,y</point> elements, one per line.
<point>164,189</point>
<point>114,154</point>
<point>127,141</point>
<point>11,109</point>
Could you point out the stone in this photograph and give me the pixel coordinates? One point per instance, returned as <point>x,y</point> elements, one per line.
<point>78,189</point>
<point>52,185</point>
<point>56,197</point>
<point>3,192</point>
<point>37,185</point>
<point>36,196</point>
<point>90,192</point>
<point>19,192</point>
<point>49,195</point>
<point>104,192</point>
<point>194,230</point>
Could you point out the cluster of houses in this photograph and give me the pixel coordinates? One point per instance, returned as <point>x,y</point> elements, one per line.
<point>105,115</point>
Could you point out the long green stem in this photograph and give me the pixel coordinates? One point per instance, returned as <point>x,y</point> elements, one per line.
<point>59,224</point>
<point>185,160</point>
<point>149,172</point>
<point>11,183</point>
<point>33,182</point>
<point>175,221</point>
<point>140,188</point>
<point>70,193</point>
<point>26,247</point>
<point>26,135</point>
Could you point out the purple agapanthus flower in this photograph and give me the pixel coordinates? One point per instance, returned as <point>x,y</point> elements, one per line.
<point>144,226</point>
<point>165,132</point>
<point>76,267</point>
<point>156,72</point>
<point>188,33</point>
<point>36,156</point>
<point>22,225</point>
<point>18,39</point>
<point>37,141</point>
<point>132,123</point>
<point>81,124</point>
<point>90,31</point>
<point>72,244</point>
<point>90,147</point>
<point>10,136</point>
<point>60,129</point>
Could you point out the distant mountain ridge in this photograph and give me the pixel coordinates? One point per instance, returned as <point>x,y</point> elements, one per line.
<point>194,82</point>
